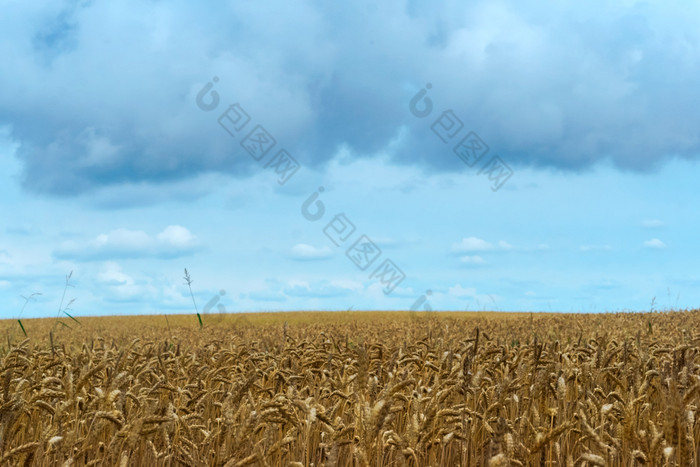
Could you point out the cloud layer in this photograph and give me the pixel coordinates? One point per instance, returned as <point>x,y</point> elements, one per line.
<point>103,93</point>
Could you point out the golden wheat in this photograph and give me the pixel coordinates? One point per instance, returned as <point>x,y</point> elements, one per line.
<point>375,389</point>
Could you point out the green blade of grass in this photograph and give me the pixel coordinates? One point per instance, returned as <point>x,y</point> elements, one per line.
<point>68,314</point>
<point>22,326</point>
<point>200,320</point>
<point>64,324</point>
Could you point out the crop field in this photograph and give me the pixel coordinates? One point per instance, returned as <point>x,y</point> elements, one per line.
<point>353,388</point>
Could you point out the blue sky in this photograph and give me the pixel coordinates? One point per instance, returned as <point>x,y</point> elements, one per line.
<point>520,156</point>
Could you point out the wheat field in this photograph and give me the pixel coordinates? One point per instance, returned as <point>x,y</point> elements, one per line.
<point>353,388</point>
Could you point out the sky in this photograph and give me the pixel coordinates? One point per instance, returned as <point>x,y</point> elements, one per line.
<point>317,155</point>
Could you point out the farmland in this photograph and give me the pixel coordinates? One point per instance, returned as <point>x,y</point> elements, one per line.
<point>353,388</point>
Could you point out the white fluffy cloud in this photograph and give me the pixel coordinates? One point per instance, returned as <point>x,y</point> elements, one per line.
<point>654,243</point>
<point>474,260</point>
<point>458,291</point>
<point>174,241</point>
<point>471,244</point>
<point>304,252</point>
<point>474,244</point>
<point>177,236</point>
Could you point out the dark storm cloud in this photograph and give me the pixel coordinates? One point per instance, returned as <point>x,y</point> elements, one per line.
<point>99,94</point>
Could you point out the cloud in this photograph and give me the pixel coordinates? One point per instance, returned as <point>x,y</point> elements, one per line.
<point>111,274</point>
<point>652,223</point>
<point>265,296</point>
<point>471,244</point>
<point>269,291</point>
<point>474,244</point>
<point>304,252</point>
<point>173,242</point>
<point>654,243</point>
<point>474,260</point>
<point>505,245</point>
<point>586,89</point>
<point>459,291</point>
<point>119,287</point>
<point>321,289</point>
<point>140,194</point>
<point>177,237</point>
<point>470,293</point>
